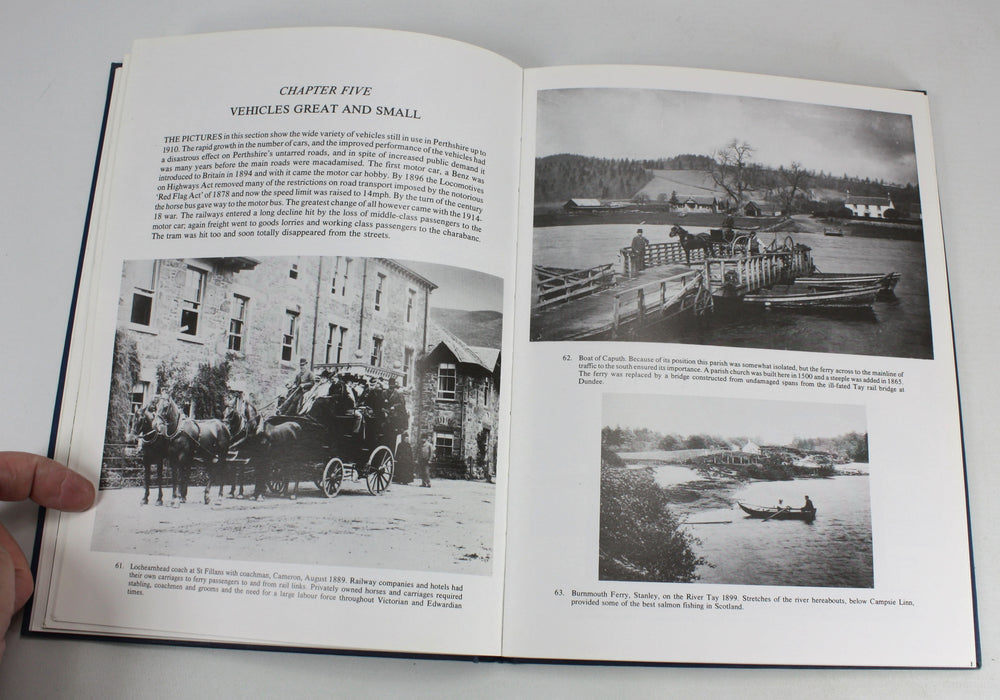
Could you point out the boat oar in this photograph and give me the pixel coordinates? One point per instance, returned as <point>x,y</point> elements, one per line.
<point>780,511</point>
<point>709,522</point>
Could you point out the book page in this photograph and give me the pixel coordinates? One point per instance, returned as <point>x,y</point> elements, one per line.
<point>738,437</point>
<point>287,368</point>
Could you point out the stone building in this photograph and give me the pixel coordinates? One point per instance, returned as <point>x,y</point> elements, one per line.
<point>458,407</point>
<point>262,315</point>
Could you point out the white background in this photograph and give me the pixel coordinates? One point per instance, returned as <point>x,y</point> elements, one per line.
<point>55,58</point>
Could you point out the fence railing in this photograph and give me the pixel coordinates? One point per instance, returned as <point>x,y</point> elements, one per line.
<point>557,284</point>
<point>658,254</point>
<point>640,302</point>
<point>751,273</point>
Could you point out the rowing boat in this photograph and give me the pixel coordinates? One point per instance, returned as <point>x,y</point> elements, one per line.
<point>805,296</point>
<point>776,513</point>
<point>886,280</point>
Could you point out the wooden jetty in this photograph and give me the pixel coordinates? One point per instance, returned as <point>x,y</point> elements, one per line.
<point>554,285</point>
<point>660,289</point>
<point>606,313</point>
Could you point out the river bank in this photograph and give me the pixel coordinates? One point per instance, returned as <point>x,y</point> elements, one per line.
<point>695,489</point>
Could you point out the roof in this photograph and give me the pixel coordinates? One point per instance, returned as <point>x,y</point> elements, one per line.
<point>407,272</point>
<point>487,359</point>
<point>581,202</point>
<point>876,201</point>
<point>490,355</point>
<point>698,198</point>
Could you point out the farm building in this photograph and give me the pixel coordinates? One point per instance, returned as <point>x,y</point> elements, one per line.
<point>699,202</point>
<point>580,205</point>
<point>869,207</point>
<point>753,208</point>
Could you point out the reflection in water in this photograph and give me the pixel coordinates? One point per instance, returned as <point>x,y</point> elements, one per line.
<point>833,551</point>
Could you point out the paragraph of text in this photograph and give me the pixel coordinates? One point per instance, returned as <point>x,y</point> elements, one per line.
<point>291,184</point>
<point>146,579</point>
<point>598,369</point>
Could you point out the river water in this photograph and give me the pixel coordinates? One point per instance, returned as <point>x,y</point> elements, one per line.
<point>899,327</point>
<point>835,550</point>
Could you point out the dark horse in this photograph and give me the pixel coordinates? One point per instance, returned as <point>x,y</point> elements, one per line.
<point>279,438</point>
<point>148,427</point>
<point>244,423</point>
<point>290,444</point>
<point>690,241</point>
<point>180,441</point>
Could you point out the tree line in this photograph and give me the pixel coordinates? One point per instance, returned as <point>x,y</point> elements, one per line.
<point>734,171</point>
<point>852,445</point>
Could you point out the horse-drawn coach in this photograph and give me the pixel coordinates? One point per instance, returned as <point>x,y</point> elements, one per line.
<point>344,428</point>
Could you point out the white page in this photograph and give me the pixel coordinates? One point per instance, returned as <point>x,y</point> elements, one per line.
<point>390,102</point>
<point>881,575</point>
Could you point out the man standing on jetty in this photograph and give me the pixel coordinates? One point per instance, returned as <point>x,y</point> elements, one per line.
<point>639,244</point>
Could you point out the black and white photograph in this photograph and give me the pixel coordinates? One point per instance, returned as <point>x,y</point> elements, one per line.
<point>724,220</point>
<point>314,410</point>
<point>725,491</point>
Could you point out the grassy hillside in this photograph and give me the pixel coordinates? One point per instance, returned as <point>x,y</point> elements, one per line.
<point>479,328</point>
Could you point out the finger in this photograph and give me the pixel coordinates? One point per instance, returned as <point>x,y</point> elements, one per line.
<point>48,483</point>
<point>15,572</point>
<point>7,586</point>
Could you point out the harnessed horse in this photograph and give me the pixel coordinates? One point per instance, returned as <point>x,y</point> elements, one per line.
<point>690,241</point>
<point>187,440</point>
<point>243,422</point>
<point>149,429</point>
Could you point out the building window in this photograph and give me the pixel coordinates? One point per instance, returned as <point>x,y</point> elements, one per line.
<point>378,291</point>
<point>293,271</point>
<point>340,342</point>
<point>330,335</point>
<point>143,292</point>
<point>444,445</point>
<point>237,323</point>
<point>376,352</point>
<point>447,382</point>
<point>137,397</point>
<point>411,303</point>
<point>486,393</point>
<point>290,338</point>
<point>338,285</point>
<point>335,343</point>
<point>341,273</point>
<point>408,355</point>
<point>194,292</point>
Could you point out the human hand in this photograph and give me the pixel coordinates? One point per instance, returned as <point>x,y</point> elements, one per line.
<point>48,483</point>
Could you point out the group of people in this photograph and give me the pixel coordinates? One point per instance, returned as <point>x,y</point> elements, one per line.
<point>405,463</point>
<point>365,402</point>
<point>808,507</point>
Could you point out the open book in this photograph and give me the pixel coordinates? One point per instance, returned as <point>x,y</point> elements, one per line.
<point>384,343</point>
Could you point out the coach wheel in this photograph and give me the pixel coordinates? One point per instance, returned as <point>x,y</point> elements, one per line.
<point>277,486</point>
<point>379,470</point>
<point>333,478</point>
